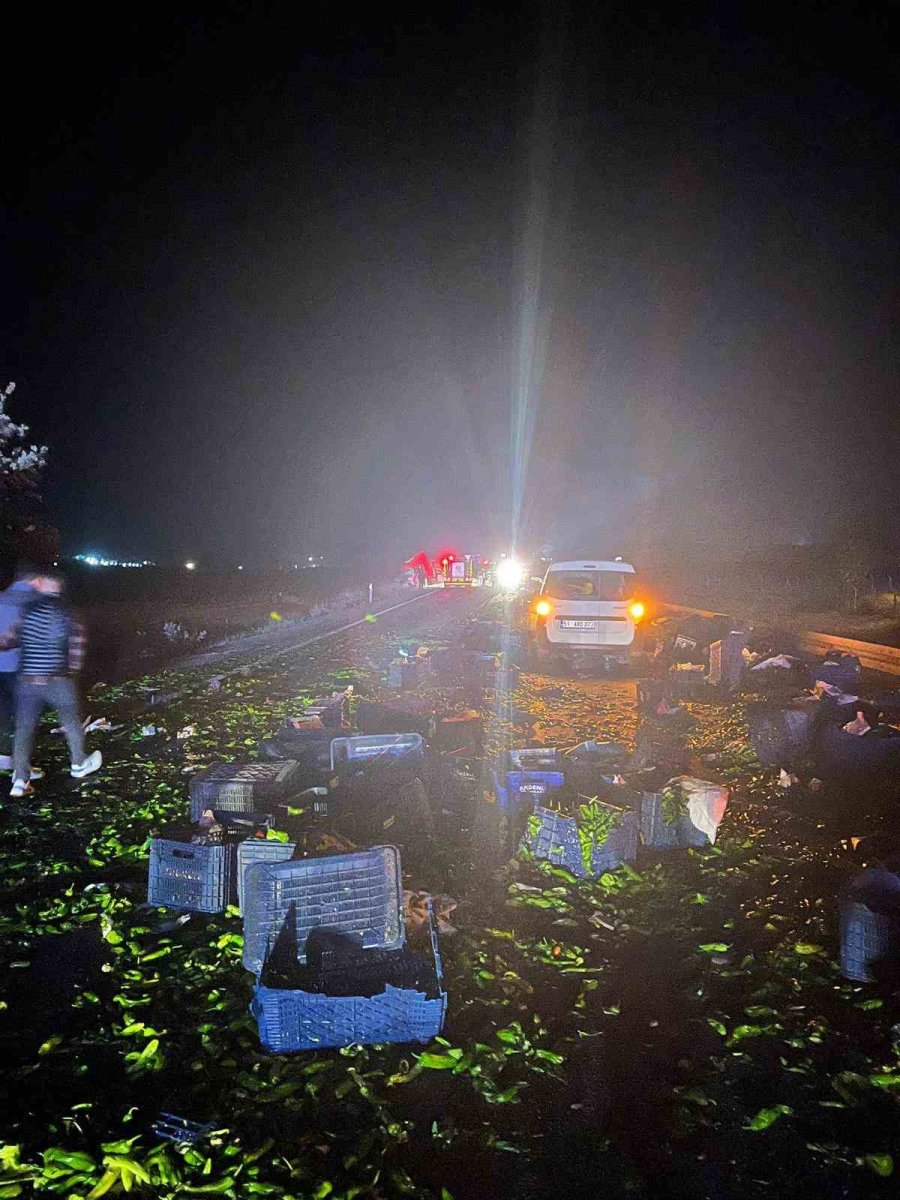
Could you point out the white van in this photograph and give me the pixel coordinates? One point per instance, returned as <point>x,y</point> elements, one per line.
<point>586,609</point>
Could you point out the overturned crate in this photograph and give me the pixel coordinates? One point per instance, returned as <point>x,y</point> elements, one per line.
<point>243,787</point>
<point>599,838</point>
<point>661,829</point>
<point>351,905</point>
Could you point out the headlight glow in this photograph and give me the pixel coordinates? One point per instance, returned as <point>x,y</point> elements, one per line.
<point>509,574</point>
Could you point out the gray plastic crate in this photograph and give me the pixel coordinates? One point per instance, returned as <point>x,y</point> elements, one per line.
<point>726,660</point>
<point>255,850</point>
<point>358,894</point>
<point>658,834</point>
<point>187,876</point>
<point>242,787</point>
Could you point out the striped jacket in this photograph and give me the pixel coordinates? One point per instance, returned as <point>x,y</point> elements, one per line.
<point>51,641</point>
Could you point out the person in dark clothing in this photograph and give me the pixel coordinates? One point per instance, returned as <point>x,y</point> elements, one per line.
<point>51,651</point>
<point>18,594</point>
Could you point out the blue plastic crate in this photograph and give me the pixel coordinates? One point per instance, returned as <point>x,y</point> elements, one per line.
<point>659,835</point>
<point>522,789</point>
<point>866,938</point>
<point>840,670</point>
<point>187,876</point>
<point>555,839</point>
<point>359,894</point>
<point>292,1020</point>
<point>255,850</point>
<point>847,758</point>
<point>408,746</point>
<point>534,758</point>
<point>242,787</point>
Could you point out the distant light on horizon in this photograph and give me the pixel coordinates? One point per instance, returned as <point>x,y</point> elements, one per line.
<point>99,560</point>
<point>190,565</point>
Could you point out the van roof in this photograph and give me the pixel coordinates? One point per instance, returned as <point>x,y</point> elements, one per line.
<point>593,564</point>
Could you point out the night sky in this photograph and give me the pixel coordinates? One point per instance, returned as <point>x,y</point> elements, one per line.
<point>285,278</point>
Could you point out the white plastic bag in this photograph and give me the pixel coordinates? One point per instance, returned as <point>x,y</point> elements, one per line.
<point>706,803</point>
<point>782,661</point>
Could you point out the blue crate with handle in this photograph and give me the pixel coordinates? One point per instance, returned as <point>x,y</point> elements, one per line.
<point>518,790</point>
<point>191,877</point>
<point>357,894</point>
<point>658,834</point>
<point>554,837</point>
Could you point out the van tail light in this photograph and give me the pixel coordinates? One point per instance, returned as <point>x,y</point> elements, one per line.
<point>637,610</point>
<point>542,608</point>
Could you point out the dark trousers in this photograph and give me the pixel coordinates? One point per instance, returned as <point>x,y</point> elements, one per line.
<point>60,693</point>
<point>7,710</point>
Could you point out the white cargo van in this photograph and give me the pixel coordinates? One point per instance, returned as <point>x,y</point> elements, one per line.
<point>586,609</point>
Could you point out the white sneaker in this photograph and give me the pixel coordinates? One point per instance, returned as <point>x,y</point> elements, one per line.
<point>92,763</point>
<point>36,773</point>
<point>21,787</point>
<point>5,762</point>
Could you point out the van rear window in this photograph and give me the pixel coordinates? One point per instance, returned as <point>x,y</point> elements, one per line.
<point>589,585</point>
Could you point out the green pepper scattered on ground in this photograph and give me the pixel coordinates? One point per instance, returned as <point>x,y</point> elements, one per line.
<point>676,1027</point>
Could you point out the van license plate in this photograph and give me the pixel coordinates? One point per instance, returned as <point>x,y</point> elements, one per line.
<point>577,624</point>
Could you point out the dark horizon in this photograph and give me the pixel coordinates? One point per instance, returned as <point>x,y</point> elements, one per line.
<point>282,284</point>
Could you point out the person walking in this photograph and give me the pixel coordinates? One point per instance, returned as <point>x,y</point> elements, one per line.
<point>12,601</point>
<point>51,651</point>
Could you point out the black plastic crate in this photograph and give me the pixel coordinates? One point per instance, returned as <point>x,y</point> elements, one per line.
<point>243,787</point>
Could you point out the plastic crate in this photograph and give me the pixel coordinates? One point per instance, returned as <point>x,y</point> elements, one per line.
<point>726,660</point>
<point>375,745</point>
<point>405,674</point>
<point>358,894</point>
<point>554,837</point>
<point>372,717</point>
<point>841,670</point>
<point>658,834</point>
<point>187,876</point>
<point>601,754</point>
<point>685,684</point>
<point>255,850</point>
<point>850,759</point>
<point>310,748</point>
<point>534,758</point>
<point>522,789</point>
<point>292,1020</point>
<point>779,737</point>
<point>866,938</point>
<point>242,787</point>
<point>331,710</point>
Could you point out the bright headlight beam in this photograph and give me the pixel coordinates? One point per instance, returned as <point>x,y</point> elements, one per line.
<point>510,574</point>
